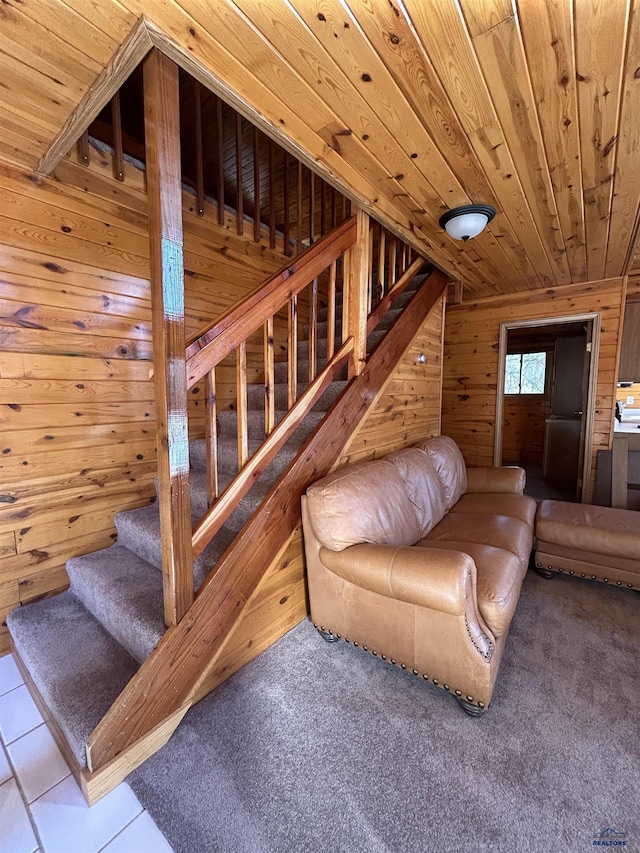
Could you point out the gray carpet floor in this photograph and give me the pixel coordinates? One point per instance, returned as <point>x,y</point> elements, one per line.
<point>318,747</point>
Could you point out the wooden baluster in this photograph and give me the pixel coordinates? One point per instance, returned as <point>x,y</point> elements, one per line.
<point>164,189</point>
<point>292,367</point>
<point>256,185</point>
<point>331,311</point>
<point>239,177</point>
<point>393,257</point>
<point>300,175</point>
<point>372,230</point>
<point>199,154</point>
<point>323,207</point>
<point>356,297</point>
<point>287,207</point>
<point>312,208</point>
<point>116,124</point>
<point>83,148</point>
<point>220,155</point>
<point>241,404</point>
<point>333,208</point>
<point>272,197</point>
<point>313,331</point>
<point>382,254</point>
<point>269,381</point>
<point>211,435</point>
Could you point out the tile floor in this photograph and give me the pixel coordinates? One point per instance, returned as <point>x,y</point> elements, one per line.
<point>41,807</point>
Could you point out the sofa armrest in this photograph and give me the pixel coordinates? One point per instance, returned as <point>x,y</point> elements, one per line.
<point>502,480</point>
<point>443,580</point>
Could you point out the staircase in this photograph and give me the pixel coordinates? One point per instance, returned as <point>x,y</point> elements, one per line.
<point>81,648</point>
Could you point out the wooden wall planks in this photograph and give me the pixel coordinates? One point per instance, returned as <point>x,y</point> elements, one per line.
<point>471,360</point>
<point>414,107</point>
<point>77,423</point>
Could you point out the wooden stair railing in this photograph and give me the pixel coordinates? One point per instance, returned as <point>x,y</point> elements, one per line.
<point>207,350</point>
<point>175,675</point>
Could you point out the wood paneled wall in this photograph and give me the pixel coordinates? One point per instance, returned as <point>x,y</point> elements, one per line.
<point>471,360</point>
<point>409,407</point>
<point>77,411</point>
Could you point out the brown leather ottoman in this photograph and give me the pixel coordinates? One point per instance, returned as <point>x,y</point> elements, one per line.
<point>594,542</point>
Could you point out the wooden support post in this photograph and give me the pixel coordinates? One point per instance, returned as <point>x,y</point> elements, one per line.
<point>356,284</point>
<point>162,135</point>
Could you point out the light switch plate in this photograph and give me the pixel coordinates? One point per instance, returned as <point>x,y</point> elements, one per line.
<point>630,400</point>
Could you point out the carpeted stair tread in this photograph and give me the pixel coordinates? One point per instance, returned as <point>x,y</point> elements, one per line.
<point>139,531</point>
<point>255,423</point>
<point>76,665</point>
<point>124,593</point>
<point>227,454</point>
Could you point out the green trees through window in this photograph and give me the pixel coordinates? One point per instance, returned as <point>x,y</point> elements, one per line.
<point>525,373</point>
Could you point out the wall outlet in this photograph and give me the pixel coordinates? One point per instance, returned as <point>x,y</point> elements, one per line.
<point>630,400</point>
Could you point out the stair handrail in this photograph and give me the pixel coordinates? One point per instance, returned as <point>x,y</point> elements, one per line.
<point>209,347</point>
<point>206,350</point>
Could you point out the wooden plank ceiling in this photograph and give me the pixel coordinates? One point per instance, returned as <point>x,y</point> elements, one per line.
<point>415,106</point>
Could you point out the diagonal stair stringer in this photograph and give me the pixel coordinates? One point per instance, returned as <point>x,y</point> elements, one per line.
<point>172,677</point>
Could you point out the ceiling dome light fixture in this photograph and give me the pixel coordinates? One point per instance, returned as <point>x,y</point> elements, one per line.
<point>467,221</point>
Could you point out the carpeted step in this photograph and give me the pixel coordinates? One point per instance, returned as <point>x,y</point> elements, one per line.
<point>139,532</point>
<point>227,454</point>
<point>76,665</point>
<point>255,423</point>
<point>255,395</point>
<point>124,593</point>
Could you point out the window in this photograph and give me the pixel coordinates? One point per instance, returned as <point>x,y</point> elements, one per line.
<point>525,373</point>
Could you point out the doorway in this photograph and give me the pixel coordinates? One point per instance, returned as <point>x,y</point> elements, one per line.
<point>546,403</point>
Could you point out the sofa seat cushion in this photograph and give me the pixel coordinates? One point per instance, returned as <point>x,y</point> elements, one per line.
<point>585,528</point>
<point>422,484</point>
<point>499,579</point>
<point>514,506</point>
<point>365,502</point>
<point>483,528</point>
<point>449,464</point>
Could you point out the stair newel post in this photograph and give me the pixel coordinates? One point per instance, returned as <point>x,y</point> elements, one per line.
<point>162,134</point>
<point>356,282</point>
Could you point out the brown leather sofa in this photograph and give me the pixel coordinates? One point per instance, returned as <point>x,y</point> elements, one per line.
<point>420,562</point>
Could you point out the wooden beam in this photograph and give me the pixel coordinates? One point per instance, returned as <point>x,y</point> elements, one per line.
<point>170,677</point>
<point>127,58</point>
<point>162,137</point>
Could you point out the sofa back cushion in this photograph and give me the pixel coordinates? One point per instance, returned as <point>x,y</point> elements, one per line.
<point>445,455</point>
<point>422,484</point>
<point>365,502</point>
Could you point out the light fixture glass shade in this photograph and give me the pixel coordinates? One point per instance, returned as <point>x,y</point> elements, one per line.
<point>463,223</point>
